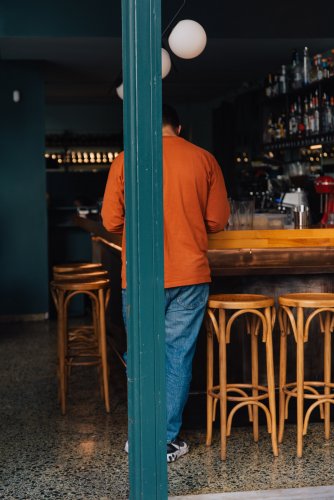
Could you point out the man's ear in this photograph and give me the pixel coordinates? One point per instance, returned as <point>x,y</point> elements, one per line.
<point>179,130</point>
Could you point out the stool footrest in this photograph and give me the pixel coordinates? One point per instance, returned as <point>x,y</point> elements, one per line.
<point>215,392</point>
<point>83,363</point>
<point>291,389</point>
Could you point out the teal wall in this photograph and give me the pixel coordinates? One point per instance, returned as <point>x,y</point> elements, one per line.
<point>23,220</point>
<point>60,18</point>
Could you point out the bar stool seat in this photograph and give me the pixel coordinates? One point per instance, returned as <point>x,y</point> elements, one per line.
<point>81,274</point>
<point>76,267</point>
<point>259,314</point>
<point>296,313</point>
<point>83,346</point>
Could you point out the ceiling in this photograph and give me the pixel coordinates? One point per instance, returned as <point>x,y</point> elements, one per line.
<point>246,40</point>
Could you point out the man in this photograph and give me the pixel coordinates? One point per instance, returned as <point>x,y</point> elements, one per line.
<point>195,202</point>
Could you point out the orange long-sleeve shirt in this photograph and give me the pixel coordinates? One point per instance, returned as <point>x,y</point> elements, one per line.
<point>195,203</point>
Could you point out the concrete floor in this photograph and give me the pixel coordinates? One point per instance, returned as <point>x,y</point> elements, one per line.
<point>317,493</point>
<point>44,455</point>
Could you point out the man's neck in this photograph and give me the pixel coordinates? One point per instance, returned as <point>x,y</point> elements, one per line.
<point>168,131</point>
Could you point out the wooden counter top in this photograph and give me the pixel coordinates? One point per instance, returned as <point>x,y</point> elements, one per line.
<point>275,238</point>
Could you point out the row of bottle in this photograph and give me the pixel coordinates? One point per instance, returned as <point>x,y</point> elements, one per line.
<point>299,73</point>
<point>85,157</point>
<point>305,118</point>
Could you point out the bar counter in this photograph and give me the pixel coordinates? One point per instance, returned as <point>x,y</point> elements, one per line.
<point>271,262</point>
<point>237,253</point>
<point>270,252</point>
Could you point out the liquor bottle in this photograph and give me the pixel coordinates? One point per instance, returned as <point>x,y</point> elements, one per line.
<point>275,86</point>
<point>269,85</point>
<point>329,65</point>
<point>300,119</point>
<point>327,118</point>
<point>331,105</point>
<point>283,81</point>
<point>306,116</point>
<point>282,126</point>
<point>278,129</point>
<point>296,71</point>
<point>317,68</point>
<point>293,126</point>
<point>269,130</point>
<point>316,113</point>
<point>325,67</point>
<point>306,67</point>
<point>311,125</point>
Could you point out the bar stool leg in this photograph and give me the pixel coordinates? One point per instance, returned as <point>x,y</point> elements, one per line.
<point>61,351</point>
<point>282,372</point>
<point>327,372</point>
<point>271,381</point>
<point>95,308</point>
<point>255,373</point>
<point>209,382</point>
<point>222,383</point>
<point>300,380</point>
<point>104,357</point>
<point>65,336</point>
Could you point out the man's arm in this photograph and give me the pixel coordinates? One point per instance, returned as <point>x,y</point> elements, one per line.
<point>113,210</point>
<point>218,208</point>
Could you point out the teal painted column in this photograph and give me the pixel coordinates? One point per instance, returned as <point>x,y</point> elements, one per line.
<point>144,244</point>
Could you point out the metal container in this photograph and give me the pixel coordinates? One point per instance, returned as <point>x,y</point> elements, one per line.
<point>301,216</point>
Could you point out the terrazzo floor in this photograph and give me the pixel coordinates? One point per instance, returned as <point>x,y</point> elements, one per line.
<point>44,455</point>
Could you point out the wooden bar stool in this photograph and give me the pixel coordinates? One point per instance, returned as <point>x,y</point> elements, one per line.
<point>296,313</point>
<point>259,315</point>
<point>77,347</point>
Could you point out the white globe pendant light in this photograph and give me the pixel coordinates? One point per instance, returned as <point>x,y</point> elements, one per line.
<point>119,91</point>
<point>166,63</point>
<point>188,39</point>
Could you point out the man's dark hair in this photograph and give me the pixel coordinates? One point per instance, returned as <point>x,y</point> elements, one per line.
<point>170,116</point>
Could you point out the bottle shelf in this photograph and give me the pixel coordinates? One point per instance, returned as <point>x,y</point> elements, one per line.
<point>301,91</point>
<point>302,116</point>
<point>299,142</point>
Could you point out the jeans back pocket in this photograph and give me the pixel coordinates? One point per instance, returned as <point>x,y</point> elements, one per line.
<point>193,296</point>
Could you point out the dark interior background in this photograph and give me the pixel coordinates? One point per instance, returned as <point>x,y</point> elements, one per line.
<point>66,60</point>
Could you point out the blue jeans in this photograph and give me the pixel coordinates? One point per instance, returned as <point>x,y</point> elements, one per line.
<point>184,312</point>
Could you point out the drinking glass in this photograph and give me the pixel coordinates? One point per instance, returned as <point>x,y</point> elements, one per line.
<point>244,210</point>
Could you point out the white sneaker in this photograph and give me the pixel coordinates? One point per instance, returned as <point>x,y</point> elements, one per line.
<point>176,449</point>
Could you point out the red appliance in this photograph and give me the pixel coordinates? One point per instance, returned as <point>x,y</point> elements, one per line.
<point>324,185</point>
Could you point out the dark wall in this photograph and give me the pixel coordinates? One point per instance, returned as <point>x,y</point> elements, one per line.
<point>237,128</point>
<point>61,18</point>
<point>84,118</point>
<point>23,221</point>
